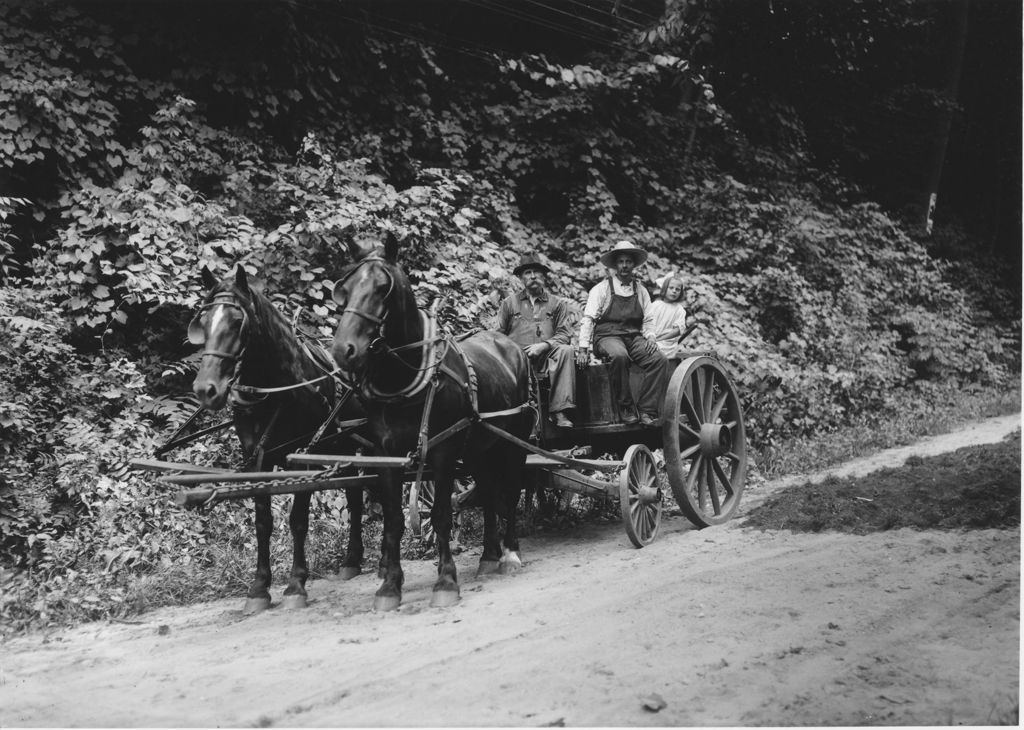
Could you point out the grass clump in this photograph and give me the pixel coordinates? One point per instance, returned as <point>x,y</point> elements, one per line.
<point>975,487</point>
<point>912,415</point>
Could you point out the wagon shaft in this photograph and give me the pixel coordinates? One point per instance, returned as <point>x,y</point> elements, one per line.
<point>159,466</point>
<point>237,476</point>
<point>572,481</point>
<point>210,495</point>
<point>368,462</point>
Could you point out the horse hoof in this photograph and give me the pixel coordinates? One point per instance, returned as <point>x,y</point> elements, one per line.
<point>348,572</point>
<point>295,600</point>
<point>386,603</point>
<point>444,599</point>
<point>510,564</point>
<point>256,605</point>
<point>488,567</point>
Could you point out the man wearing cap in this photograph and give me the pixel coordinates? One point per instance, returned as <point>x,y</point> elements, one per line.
<point>540,323</point>
<point>619,322</point>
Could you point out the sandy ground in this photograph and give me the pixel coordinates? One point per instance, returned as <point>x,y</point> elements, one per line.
<point>726,626</point>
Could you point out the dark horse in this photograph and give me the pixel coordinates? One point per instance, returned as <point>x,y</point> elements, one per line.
<point>281,393</point>
<point>400,370</point>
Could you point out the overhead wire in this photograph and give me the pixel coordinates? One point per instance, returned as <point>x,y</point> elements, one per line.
<point>519,14</point>
<point>479,53</point>
<point>553,9</point>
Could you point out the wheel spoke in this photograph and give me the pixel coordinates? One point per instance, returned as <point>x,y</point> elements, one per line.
<point>691,414</point>
<point>697,394</point>
<point>701,492</point>
<point>648,522</point>
<point>645,477</point>
<point>709,393</point>
<point>694,475</point>
<point>713,488</point>
<point>716,411</point>
<point>723,477</point>
<point>689,452</point>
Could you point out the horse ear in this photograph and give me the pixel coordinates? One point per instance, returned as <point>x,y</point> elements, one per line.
<point>209,280</point>
<point>391,248</point>
<point>241,280</point>
<point>356,251</point>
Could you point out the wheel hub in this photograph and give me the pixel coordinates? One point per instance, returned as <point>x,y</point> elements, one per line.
<point>715,439</point>
<point>649,495</point>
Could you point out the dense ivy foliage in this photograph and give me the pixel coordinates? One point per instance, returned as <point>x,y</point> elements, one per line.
<point>137,151</point>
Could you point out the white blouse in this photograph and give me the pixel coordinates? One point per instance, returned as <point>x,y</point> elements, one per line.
<point>666,316</point>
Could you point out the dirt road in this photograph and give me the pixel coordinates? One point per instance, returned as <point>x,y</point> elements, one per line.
<point>726,626</point>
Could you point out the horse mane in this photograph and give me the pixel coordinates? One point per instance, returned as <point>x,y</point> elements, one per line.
<point>275,355</point>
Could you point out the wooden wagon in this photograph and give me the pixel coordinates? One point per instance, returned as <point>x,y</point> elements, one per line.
<point>702,438</point>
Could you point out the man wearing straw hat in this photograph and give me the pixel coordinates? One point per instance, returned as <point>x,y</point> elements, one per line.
<point>540,323</point>
<point>619,321</point>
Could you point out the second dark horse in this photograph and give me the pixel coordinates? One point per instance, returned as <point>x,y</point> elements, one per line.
<point>401,370</point>
<point>248,344</point>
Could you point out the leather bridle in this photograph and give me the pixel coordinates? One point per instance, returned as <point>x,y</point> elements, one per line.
<point>377,343</point>
<point>197,332</point>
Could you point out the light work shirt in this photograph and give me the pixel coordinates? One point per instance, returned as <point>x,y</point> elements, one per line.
<point>600,298</point>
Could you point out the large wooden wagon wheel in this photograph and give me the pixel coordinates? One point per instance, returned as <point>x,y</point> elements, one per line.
<point>639,495</point>
<point>705,441</point>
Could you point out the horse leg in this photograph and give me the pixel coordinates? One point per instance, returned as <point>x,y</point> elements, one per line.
<point>508,487</point>
<point>382,562</point>
<point>298,521</point>
<point>352,563</point>
<point>389,595</point>
<point>485,481</point>
<point>446,589</point>
<point>258,598</point>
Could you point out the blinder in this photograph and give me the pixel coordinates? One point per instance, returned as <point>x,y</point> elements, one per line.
<point>340,297</point>
<point>338,293</point>
<point>196,331</point>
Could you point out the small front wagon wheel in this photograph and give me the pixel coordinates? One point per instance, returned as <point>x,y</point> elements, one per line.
<point>705,441</point>
<point>640,495</point>
<point>418,520</point>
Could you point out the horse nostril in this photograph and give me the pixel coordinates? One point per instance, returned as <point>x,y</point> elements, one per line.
<point>350,350</point>
<point>207,391</point>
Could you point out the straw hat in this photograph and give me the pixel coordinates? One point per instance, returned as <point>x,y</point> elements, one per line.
<point>638,254</point>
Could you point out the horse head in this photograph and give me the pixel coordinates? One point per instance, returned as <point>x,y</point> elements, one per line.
<point>222,328</point>
<point>376,301</point>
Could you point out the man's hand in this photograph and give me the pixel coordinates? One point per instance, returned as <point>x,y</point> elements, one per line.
<point>583,357</point>
<point>537,349</point>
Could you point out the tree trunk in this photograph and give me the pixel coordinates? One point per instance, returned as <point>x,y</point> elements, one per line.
<point>944,118</point>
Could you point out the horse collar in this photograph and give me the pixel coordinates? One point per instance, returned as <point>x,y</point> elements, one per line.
<point>429,362</point>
